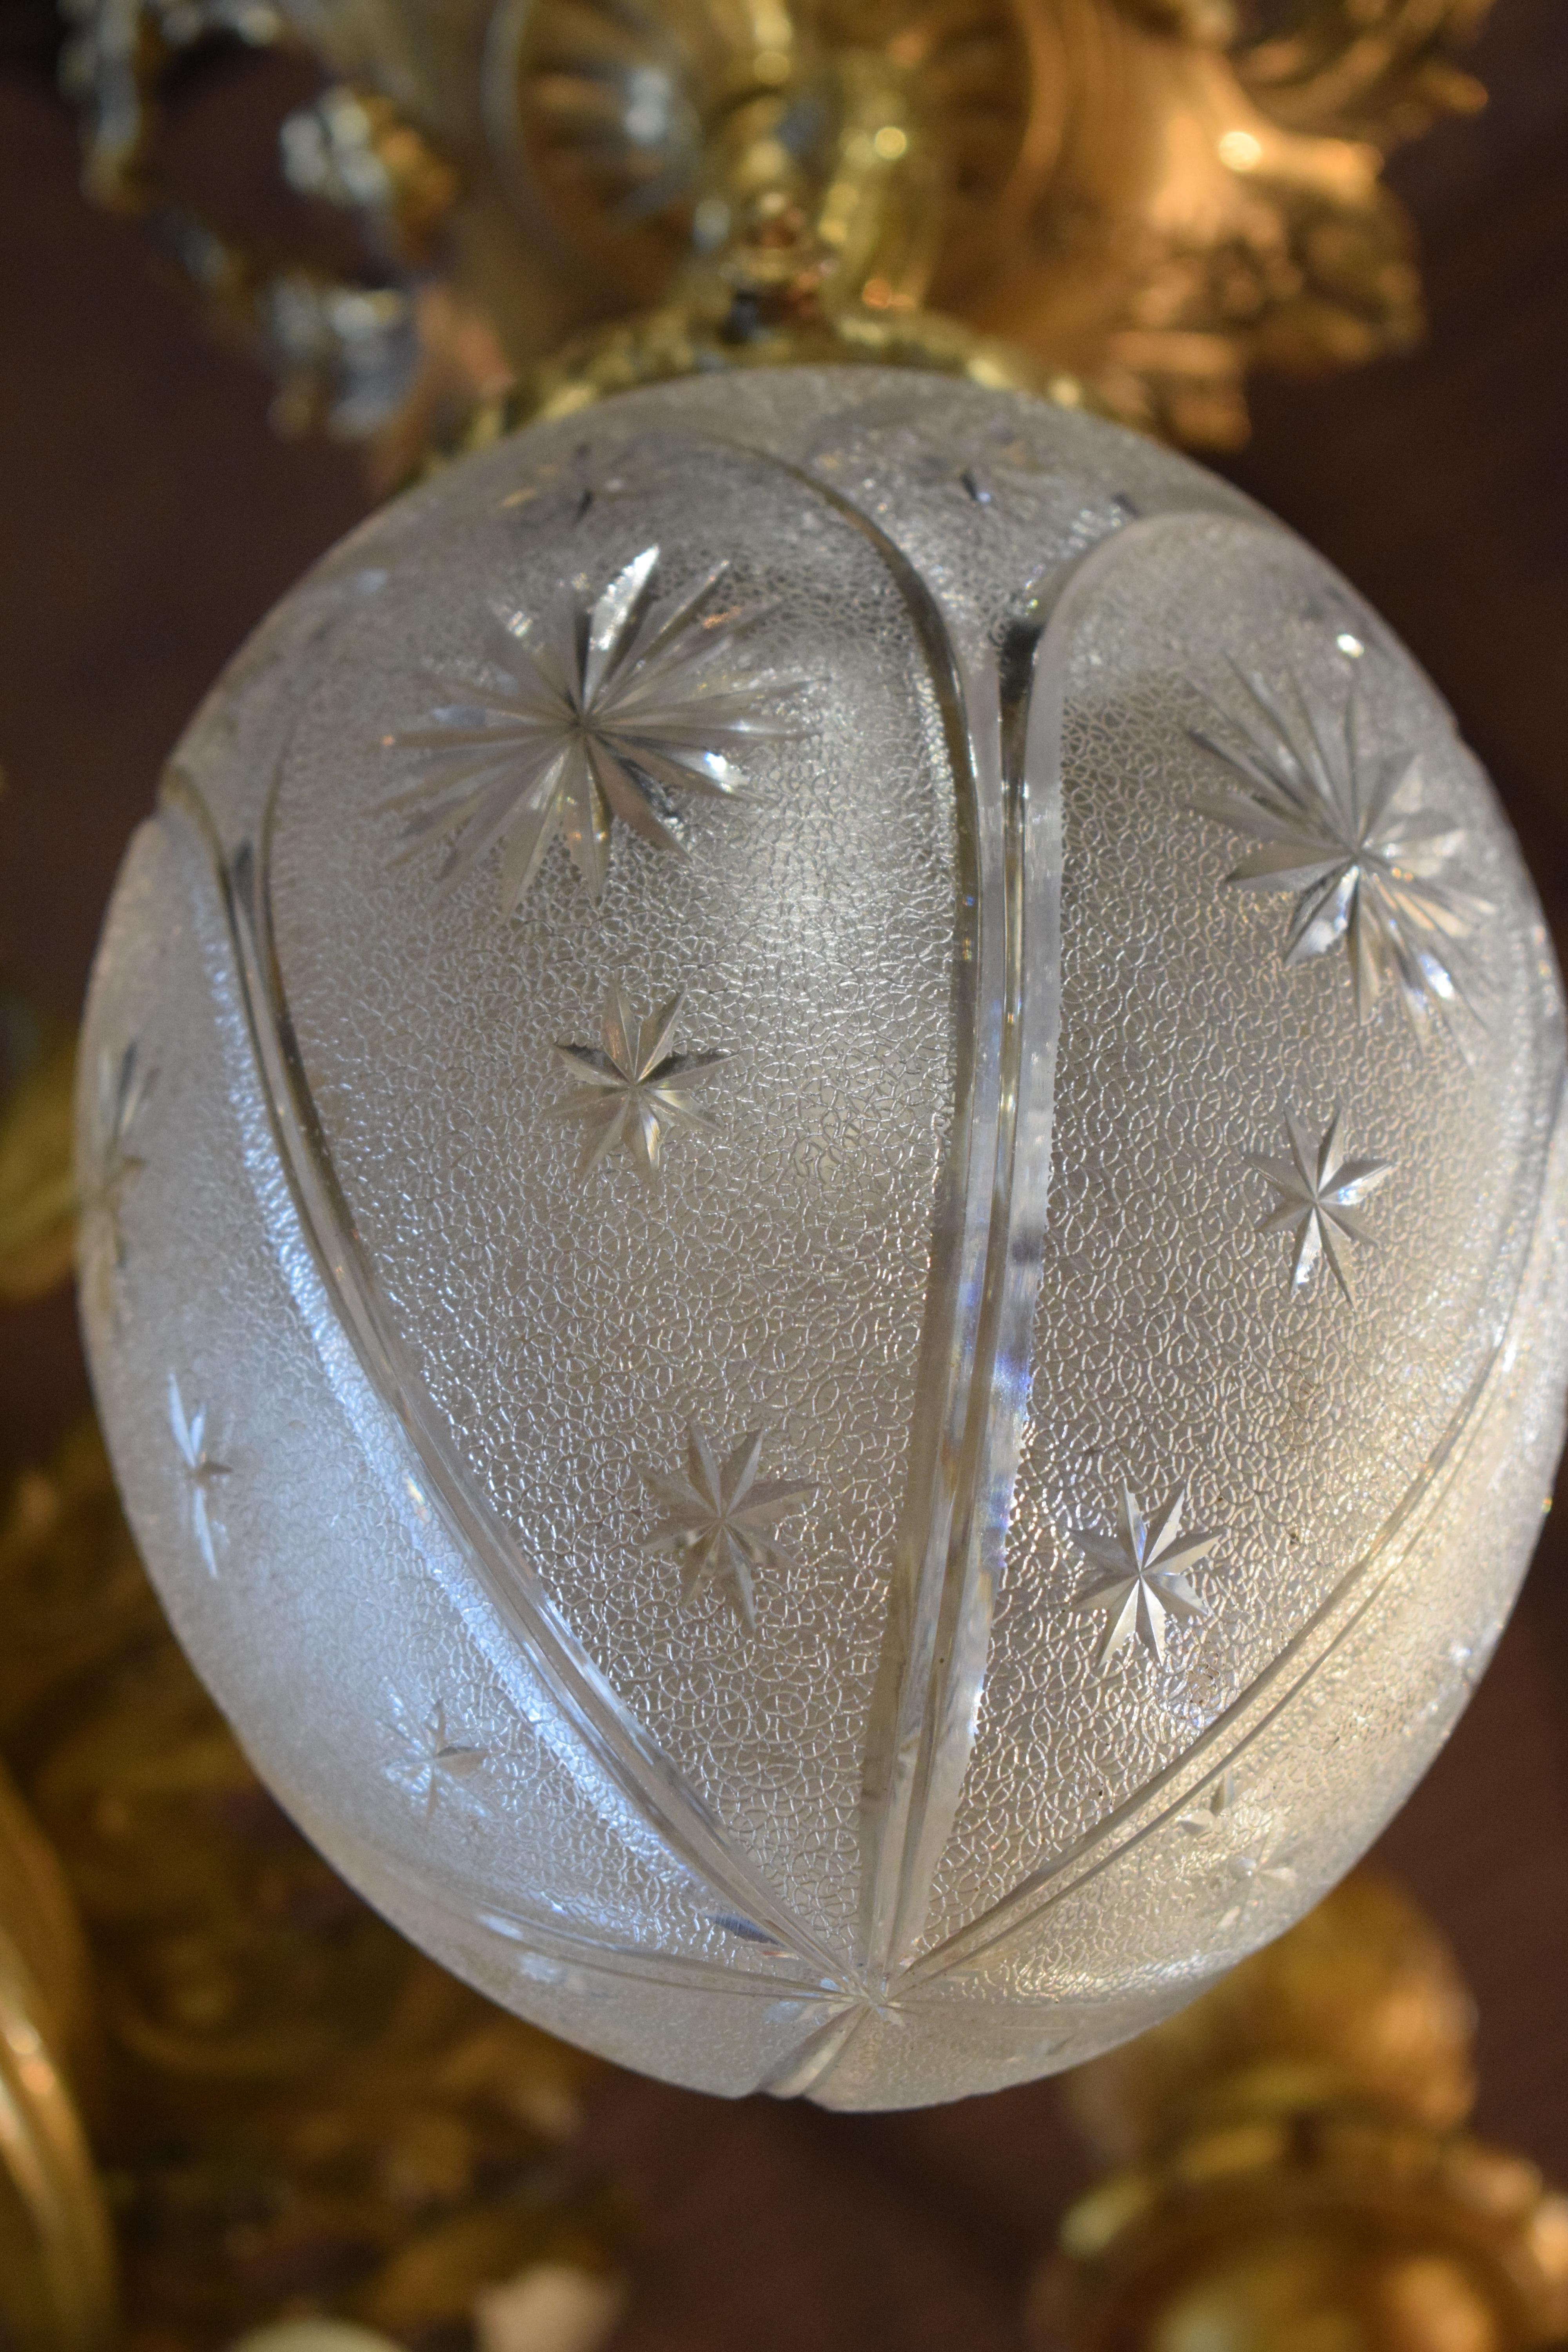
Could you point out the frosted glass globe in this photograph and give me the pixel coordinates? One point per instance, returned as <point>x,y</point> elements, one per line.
<point>824,1225</point>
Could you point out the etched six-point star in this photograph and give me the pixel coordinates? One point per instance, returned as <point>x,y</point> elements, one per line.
<point>202,1471</point>
<point>637,1087</point>
<point>1319,1193</point>
<point>1138,1579</point>
<point>720,1521</point>
<point>605,707</point>
<point>1336,829</point>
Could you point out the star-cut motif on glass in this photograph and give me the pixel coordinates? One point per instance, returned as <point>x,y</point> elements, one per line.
<point>123,1085</point>
<point>1214,1806</point>
<point>1003,475</point>
<point>202,1470</point>
<point>636,1086</point>
<point>1257,1877</point>
<point>607,707</point>
<point>586,477</point>
<point>720,1524</point>
<point>433,1758</point>
<point>1336,828</point>
<point>1319,1194</point>
<point>1139,1576</point>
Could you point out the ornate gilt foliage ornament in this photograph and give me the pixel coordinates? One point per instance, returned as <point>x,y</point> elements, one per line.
<point>802,1772</point>
<point>570,196</point>
<point>1291,2164</point>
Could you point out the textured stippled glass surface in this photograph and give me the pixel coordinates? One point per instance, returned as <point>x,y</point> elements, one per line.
<point>827,1267</point>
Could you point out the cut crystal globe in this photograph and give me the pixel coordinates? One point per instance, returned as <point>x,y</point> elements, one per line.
<point>825,1225</point>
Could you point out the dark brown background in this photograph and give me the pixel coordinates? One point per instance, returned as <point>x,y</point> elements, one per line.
<point>148,517</point>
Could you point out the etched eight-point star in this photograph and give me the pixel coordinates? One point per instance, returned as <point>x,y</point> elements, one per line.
<point>635,1085</point>
<point>1319,1193</point>
<point>720,1521</point>
<point>606,706</point>
<point>1139,1576</point>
